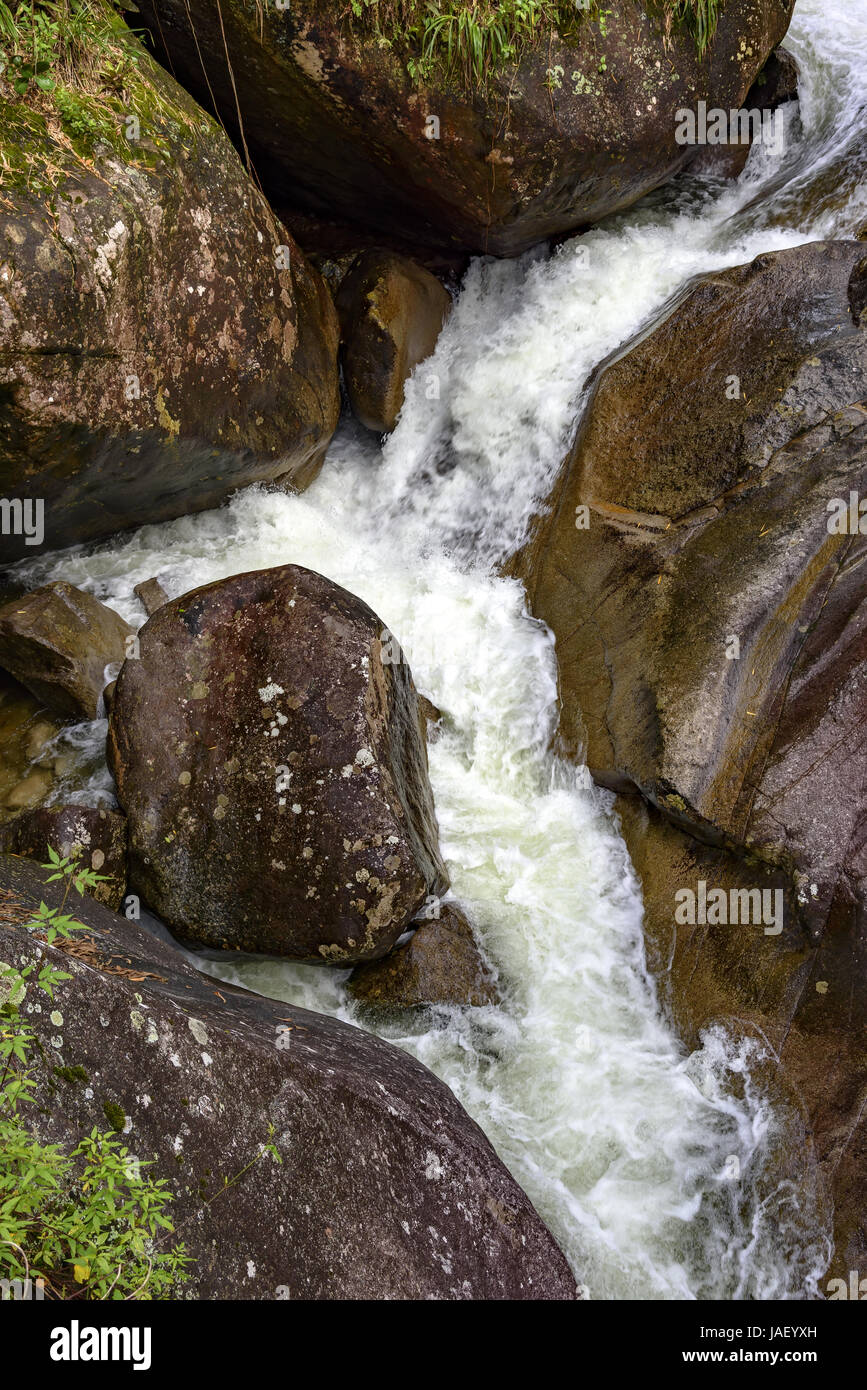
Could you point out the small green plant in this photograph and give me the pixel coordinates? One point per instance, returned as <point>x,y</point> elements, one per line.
<point>48,42</point>
<point>87,1222</point>
<point>473,40</point>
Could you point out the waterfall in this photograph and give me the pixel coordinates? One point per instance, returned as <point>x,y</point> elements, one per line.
<point>624,1141</point>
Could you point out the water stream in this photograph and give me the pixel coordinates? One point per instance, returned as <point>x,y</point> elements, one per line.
<point>623,1140</point>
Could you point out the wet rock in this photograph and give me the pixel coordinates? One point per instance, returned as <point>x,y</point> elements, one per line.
<point>26,726</point>
<point>163,341</point>
<point>152,595</point>
<point>93,836</point>
<point>690,548</point>
<point>775,85</point>
<point>391,314</point>
<point>386,1190</point>
<point>431,718</point>
<point>702,565</point>
<point>57,641</point>
<point>336,126</point>
<point>440,964</point>
<point>800,1000</point>
<point>30,791</point>
<point>273,771</point>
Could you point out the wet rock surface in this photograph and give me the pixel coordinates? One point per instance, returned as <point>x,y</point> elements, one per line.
<point>163,341</point>
<point>337,127</point>
<point>386,1189</point>
<point>391,314</point>
<point>440,964</point>
<point>58,641</point>
<point>151,595</point>
<point>274,772</point>
<point>27,728</point>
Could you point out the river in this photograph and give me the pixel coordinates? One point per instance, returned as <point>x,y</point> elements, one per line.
<point>626,1143</point>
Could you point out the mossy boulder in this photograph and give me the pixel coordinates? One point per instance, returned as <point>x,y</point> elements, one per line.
<point>391,314</point>
<point>274,772</point>
<point>583,126</point>
<point>162,339</point>
<point>383,1187</point>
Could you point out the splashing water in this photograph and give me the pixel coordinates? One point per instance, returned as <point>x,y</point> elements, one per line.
<point>626,1144</point>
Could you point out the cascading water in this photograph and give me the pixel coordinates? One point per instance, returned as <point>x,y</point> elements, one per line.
<point>627,1145</point>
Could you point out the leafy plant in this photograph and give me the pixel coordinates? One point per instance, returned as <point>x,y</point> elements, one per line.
<point>49,42</point>
<point>87,1222</point>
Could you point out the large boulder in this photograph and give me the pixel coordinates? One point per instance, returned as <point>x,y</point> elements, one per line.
<point>581,126</point>
<point>702,564</point>
<point>271,762</point>
<point>386,1188</point>
<point>439,964</point>
<point>92,836</point>
<point>162,339</point>
<point>58,641</point>
<point>391,314</point>
<point>688,548</point>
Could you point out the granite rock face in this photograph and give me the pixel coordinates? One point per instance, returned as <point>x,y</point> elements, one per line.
<point>386,1188</point>
<point>703,565</point>
<point>58,641</point>
<point>163,341</point>
<point>337,128</point>
<point>274,773</point>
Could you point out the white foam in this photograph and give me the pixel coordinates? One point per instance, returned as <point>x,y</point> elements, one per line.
<point>623,1141</point>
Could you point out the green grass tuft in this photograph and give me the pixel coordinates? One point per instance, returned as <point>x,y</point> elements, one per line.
<point>475,39</point>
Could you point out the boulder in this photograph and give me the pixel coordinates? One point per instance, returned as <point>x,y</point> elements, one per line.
<point>57,641</point>
<point>151,595</point>
<point>273,771</point>
<point>688,548</point>
<point>386,1188</point>
<point>337,126</point>
<point>26,726</point>
<point>92,835</point>
<point>391,314</point>
<point>440,964</point>
<point>702,564</point>
<point>163,341</point>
